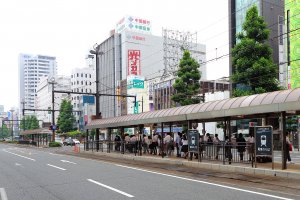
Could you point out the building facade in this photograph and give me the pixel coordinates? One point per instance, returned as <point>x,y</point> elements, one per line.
<point>31,69</point>
<point>82,80</point>
<point>44,96</point>
<point>273,14</point>
<point>131,51</point>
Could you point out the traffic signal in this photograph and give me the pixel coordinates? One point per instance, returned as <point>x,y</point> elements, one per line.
<point>57,127</point>
<point>50,127</point>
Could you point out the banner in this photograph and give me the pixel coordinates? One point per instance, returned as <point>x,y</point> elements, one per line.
<point>134,62</point>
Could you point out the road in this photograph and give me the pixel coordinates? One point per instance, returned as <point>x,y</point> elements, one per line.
<point>31,174</point>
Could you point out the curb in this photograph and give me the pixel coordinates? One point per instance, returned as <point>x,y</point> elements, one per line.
<point>202,165</point>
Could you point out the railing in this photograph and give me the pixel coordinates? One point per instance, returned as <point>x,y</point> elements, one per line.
<point>223,152</point>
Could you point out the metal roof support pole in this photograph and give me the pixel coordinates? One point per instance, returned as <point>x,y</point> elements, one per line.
<point>86,146</point>
<point>162,140</point>
<point>122,135</point>
<point>141,133</point>
<point>284,147</point>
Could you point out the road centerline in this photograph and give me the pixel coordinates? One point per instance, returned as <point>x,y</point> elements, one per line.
<point>3,194</point>
<point>205,182</point>
<point>56,167</point>
<point>110,188</point>
<point>19,155</point>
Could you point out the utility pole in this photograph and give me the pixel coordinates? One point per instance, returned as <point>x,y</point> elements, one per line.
<point>97,52</point>
<point>12,124</point>
<point>23,114</point>
<point>52,82</point>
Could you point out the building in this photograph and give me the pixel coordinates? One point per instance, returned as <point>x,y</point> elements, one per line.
<point>31,69</point>
<point>273,14</point>
<point>292,10</point>
<point>44,96</point>
<point>130,51</point>
<point>162,92</point>
<point>82,80</point>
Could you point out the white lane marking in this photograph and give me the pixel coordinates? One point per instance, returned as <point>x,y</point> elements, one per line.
<point>3,194</point>
<point>111,188</point>
<point>56,167</point>
<point>66,161</point>
<point>55,154</point>
<point>19,155</point>
<point>208,183</point>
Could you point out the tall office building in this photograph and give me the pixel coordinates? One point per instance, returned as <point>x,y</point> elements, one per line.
<point>31,69</point>
<point>273,13</point>
<point>132,54</point>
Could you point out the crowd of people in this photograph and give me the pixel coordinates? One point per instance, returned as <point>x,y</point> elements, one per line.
<point>177,144</point>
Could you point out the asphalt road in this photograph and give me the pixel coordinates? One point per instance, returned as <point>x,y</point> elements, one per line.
<point>30,174</point>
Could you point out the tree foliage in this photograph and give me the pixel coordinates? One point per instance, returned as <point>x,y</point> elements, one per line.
<point>31,122</point>
<point>66,118</point>
<point>4,131</point>
<point>187,84</point>
<point>252,57</point>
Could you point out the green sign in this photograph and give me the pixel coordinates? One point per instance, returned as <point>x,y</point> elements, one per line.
<point>136,108</point>
<point>135,83</point>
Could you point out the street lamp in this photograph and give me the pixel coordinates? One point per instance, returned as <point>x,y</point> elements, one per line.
<point>96,51</point>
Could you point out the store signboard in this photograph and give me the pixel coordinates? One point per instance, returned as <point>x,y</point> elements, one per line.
<point>134,62</point>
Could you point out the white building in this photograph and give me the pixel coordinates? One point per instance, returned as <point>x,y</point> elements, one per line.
<point>31,69</point>
<point>83,80</point>
<point>44,96</point>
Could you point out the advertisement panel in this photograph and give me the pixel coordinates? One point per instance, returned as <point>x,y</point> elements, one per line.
<point>294,71</point>
<point>134,62</point>
<point>263,140</point>
<point>193,140</point>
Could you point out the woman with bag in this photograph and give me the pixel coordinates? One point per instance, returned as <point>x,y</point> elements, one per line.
<point>289,148</point>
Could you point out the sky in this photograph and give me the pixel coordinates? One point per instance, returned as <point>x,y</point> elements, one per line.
<point>67,29</point>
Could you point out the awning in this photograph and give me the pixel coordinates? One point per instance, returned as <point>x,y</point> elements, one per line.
<point>39,131</point>
<point>272,102</point>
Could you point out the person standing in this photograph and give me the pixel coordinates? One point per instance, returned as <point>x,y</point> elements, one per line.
<point>288,145</point>
<point>178,141</point>
<point>217,144</point>
<point>241,145</point>
<point>250,146</point>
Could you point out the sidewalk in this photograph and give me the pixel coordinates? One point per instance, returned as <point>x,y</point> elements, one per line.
<point>292,172</point>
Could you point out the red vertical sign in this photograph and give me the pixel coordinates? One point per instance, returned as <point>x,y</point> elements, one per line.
<point>134,62</point>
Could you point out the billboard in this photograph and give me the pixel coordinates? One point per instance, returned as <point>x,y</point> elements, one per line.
<point>133,24</point>
<point>294,68</point>
<point>134,62</point>
<point>135,82</point>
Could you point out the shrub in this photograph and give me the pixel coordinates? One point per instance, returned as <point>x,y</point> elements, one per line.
<point>54,144</point>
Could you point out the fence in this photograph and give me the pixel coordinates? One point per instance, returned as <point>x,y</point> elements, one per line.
<point>223,152</point>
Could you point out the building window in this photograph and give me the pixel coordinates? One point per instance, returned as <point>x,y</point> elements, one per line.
<point>90,76</point>
<point>81,82</point>
<point>77,75</point>
<point>81,75</point>
<point>71,76</point>
<point>85,75</point>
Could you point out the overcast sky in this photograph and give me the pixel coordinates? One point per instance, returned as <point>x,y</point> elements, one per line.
<point>67,29</point>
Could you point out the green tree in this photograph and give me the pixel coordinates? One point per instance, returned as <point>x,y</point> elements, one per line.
<point>31,122</point>
<point>251,58</point>
<point>66,118</point>
<point>4,131</point>
<point>187,81</point>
